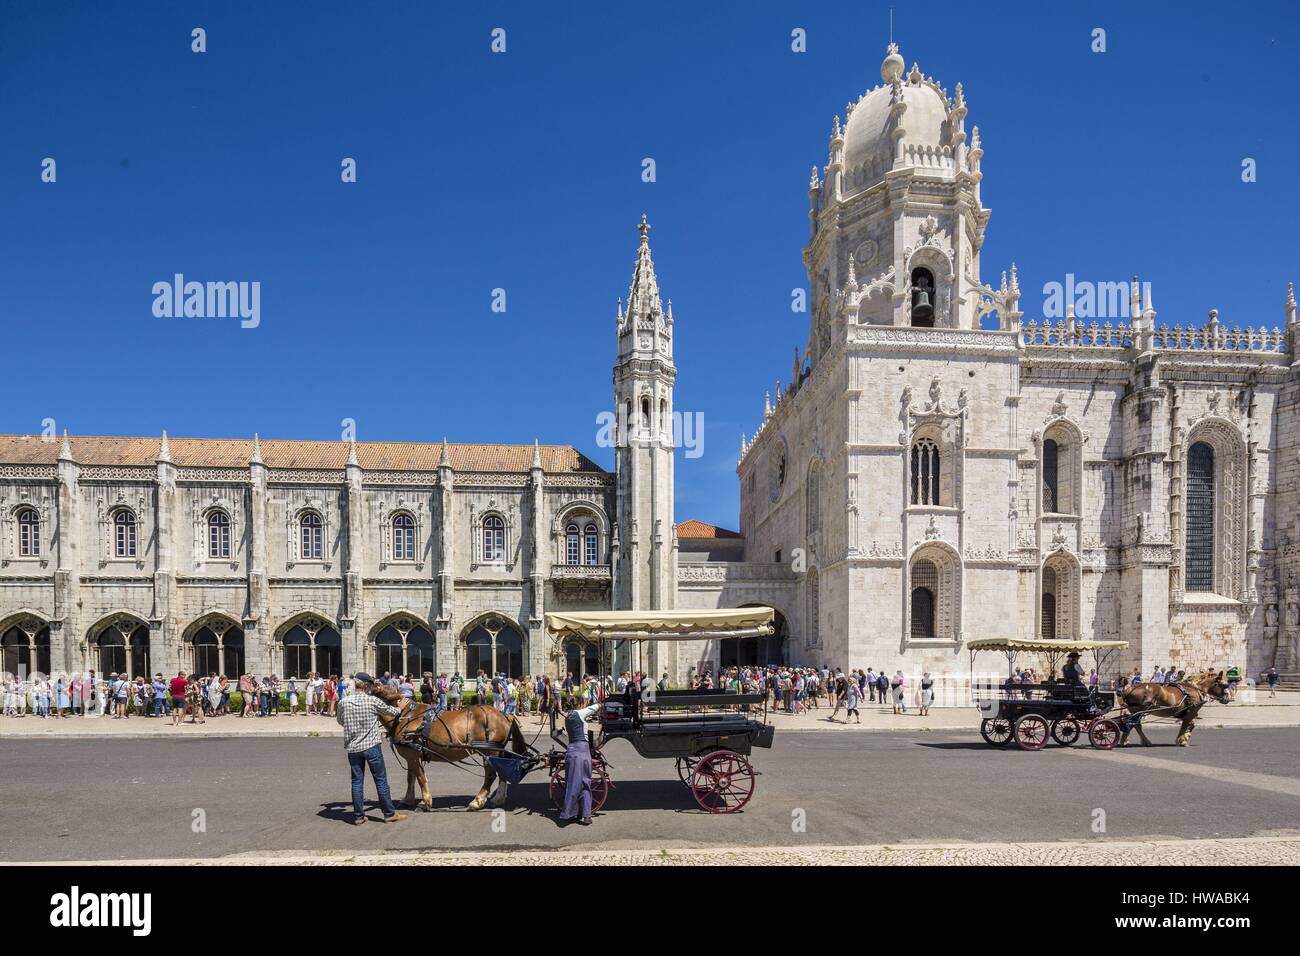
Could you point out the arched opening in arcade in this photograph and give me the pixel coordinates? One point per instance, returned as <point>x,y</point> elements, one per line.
<point>756,651</point>
<point>581,658</point>
<point>404,646</point>
<point>121,646</point>
<point>217,647</point>
<point>311,646</point>
<point>25,648</point>
<point>492,646</point>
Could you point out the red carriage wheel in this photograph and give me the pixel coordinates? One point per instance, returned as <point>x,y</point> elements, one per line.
<point>1030,731</point>
<point>722,782</point>
<point>599,782</point>
<point>996,731</point>
<point>1104,734</point>
<point>1065,731</point>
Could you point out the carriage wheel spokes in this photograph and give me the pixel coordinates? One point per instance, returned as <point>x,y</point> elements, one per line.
<point>1103,734</point>
<point>996,731</point>
<point>1030,731</point>
<point>722,782</point>
<point>1065,731</point>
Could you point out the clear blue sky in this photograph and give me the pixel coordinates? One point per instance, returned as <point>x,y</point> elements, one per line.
<point>522,171</point>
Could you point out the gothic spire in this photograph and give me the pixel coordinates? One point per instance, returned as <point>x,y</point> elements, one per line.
<point>164,453</point>
<point>643,303</point>
<point>257,450</point>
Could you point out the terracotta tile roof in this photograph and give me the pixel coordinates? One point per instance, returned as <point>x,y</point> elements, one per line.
<point>282,453</point>
<point>699,529</point>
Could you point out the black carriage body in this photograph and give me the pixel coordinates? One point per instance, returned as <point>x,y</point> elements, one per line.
<point>684,723</point>
<point>1050,701</point>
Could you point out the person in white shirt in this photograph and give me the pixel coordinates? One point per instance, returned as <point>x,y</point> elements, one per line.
<point>315,694</point>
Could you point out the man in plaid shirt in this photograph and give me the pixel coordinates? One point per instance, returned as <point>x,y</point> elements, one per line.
<point>358,713</point>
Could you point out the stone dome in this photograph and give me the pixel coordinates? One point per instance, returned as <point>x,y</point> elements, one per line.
<point>927,133</point>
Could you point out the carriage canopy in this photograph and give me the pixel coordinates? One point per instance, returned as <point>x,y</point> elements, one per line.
<point>662,625</point>
<point>1041,644</point>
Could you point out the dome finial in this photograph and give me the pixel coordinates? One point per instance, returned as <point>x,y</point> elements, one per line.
<point>892,68</point>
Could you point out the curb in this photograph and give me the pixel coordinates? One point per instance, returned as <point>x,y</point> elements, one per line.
<point>599,856</point>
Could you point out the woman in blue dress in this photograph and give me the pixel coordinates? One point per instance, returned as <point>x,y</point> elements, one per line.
<point>62,699</point>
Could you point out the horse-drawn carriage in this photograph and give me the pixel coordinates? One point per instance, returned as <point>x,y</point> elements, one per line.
<point>710,734</point>
<point>1031,713</point>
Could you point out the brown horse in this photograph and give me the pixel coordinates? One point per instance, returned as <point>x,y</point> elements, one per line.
<point>451,737</point>
<point>1183,700</point>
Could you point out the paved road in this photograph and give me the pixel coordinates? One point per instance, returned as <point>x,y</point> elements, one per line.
<point>130,799</point>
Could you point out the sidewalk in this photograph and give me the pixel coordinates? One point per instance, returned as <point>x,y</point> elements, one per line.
<point>1283,711</point>
<point>1246,851</point>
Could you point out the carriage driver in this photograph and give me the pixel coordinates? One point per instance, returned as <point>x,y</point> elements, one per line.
<point>577,768</point>
<point>1071,672</point>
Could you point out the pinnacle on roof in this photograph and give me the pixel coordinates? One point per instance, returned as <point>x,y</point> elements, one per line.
<point>643,302</point>
<point>256,458</point>
<point>164,453</point>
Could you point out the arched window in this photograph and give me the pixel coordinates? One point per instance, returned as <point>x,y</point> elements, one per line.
<point>925,584</point>
<point>665,428</point>
<point>218,535</point>
<point>925,472</point>
<point>572,545</point>
<point>124,533</point>
<point>1049,604</point>
<point>1050,456</point>
<point>313,536</point>
<point>29,533</point>
<point>494,538</point>
<point>590,545</point>
<point>403,538</point>
<point>922,298</point>
<point>645,413</point>
<point>814,502</point>
<point>1200,518</point>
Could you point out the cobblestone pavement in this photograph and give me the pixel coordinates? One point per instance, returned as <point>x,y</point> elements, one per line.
<point>1265,851</point>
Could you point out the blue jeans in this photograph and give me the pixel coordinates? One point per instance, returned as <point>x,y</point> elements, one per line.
<point>374,758</point>
<point>265,700</point>
<point>442,702</point>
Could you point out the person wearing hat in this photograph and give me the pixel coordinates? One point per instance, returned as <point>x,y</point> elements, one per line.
<point>577,768</point>
<point>1071,672</point>
<point>358,714</point>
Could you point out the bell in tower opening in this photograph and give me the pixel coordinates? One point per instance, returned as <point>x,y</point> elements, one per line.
<point>922,298</point>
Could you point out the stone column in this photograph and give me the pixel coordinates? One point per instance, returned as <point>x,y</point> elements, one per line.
<point>354,550</point>
<point>67,629</point>
<point>443,635</point>
<point>258,652</point>
<point>164,628</point>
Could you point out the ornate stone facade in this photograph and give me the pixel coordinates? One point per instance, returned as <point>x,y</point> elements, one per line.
<point>1039,468</point>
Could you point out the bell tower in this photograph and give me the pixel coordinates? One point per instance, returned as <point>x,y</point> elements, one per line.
<point>896,219</point>
<point>645,563</point>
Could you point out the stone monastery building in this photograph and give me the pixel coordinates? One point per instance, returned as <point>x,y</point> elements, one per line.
<point>940,468</point>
